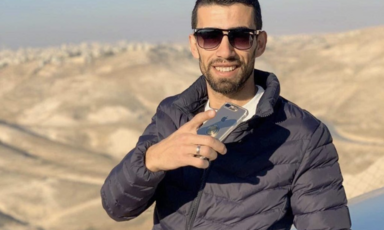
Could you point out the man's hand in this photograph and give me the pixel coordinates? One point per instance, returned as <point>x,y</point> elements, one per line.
<point>179,149</point>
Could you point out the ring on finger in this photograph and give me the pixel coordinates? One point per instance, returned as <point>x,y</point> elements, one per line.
<point>198,148</point>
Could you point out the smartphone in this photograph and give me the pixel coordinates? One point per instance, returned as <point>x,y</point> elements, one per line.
<point>227,118</point>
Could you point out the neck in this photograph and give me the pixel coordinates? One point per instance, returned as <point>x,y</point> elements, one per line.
<point>245,94</point>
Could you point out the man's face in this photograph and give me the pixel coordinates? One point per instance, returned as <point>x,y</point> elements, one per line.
<point>226,68</point>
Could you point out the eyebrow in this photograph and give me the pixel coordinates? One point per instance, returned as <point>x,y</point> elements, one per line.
<point>231,28</point>
<point>241,27</point>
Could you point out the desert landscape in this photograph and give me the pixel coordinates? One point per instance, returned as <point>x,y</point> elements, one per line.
<point>71,113</point>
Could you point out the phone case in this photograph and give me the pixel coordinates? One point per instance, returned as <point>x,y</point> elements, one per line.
<point>227,118</point>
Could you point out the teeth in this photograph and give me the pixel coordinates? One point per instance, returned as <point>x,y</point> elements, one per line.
<point>225,69</point>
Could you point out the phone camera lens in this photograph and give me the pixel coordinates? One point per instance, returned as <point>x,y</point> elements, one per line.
<point>227,105</point>
<point>233,108</point>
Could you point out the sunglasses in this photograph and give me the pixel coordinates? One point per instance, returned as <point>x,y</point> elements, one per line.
<point>239,38</point>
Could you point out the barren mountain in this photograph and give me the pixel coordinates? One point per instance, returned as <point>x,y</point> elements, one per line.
<point>70,113</point>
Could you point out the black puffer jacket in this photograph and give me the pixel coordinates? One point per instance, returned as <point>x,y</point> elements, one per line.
<point>281,168</point>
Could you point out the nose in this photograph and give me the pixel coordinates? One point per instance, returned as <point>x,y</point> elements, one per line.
<point>225,49</point>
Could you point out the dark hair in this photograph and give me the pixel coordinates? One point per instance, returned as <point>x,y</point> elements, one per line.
<point>254,3</point>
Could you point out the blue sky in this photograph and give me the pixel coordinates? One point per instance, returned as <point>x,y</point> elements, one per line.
<point>47,23</point>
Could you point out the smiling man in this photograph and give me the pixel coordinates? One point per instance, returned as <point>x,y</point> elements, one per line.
<point>277,168</point>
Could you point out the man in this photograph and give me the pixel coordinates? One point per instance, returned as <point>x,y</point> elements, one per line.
<point>277,168</point>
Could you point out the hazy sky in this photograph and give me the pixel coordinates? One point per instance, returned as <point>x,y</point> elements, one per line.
<point>46,22</point>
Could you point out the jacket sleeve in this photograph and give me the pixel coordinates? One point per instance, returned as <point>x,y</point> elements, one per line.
<point>318,197</point>
<point>130,187</point>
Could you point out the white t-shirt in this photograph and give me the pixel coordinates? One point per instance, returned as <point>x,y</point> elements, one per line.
<point>250,106</point>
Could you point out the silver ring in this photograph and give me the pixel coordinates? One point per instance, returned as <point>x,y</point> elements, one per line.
<point>198,153</point>
<point>198,149</point>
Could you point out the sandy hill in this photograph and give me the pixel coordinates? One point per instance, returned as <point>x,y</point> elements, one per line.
<point>70,113</point>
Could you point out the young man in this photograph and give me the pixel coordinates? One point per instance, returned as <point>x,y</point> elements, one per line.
<point>277,168</point>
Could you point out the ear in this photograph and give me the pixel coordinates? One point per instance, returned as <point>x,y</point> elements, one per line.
<point>261,43</point>
<point>193,46</point>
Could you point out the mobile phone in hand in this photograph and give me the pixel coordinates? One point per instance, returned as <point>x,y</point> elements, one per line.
<point>227,118</point>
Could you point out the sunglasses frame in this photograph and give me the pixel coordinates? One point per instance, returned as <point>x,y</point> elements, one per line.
<point>251,32</point>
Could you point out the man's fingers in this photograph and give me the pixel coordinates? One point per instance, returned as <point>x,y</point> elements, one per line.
<point>204,151</point>
<point>198,120</point>
<point>208,141</point>
<point>198,163</point>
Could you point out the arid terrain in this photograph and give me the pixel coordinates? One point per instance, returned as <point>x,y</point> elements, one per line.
<point>69,114</point>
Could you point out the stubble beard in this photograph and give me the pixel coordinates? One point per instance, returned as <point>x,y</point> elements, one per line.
<point>228,86</point>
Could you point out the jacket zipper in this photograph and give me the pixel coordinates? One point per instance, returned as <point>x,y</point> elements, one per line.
<point>196,202</point>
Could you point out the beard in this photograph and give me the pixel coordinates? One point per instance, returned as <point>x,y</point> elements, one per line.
<point>227,86</point>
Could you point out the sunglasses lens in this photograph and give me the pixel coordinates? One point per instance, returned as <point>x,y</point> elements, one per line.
<point>241,40</point>
<point>209,39</point>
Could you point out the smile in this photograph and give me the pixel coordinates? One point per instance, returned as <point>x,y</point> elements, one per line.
<point>225,69</point>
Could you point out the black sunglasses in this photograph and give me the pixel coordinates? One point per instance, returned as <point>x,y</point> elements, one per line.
<point>239,38</point>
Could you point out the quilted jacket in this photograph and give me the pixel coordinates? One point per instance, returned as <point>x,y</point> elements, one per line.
<point>281,168</point>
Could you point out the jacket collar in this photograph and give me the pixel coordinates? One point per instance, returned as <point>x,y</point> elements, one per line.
<point>193,98</point>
